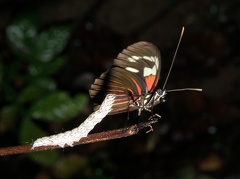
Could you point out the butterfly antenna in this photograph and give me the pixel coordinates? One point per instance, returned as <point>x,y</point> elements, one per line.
<point>170,69</point>
<point>184,89</point>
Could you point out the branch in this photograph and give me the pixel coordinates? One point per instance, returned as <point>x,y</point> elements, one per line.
<point>92,138</point>
<point>78,135</point>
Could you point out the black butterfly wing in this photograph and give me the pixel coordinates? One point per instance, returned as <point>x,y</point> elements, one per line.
<point>134,72</point>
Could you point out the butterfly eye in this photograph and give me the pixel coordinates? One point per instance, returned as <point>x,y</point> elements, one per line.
<point>160,92</point>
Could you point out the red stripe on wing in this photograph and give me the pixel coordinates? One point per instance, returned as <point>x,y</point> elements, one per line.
<point>150,82</point>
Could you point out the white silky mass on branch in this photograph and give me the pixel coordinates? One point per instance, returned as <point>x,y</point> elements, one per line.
<point>69,137</point>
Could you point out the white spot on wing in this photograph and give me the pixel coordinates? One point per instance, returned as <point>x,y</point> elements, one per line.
<point>135,57</point>
<point>147,58</point>
<point>152,59</point>
<point>133,70</point>
<point>131,59</point>
<point>150,71</point>
<point>146,71</point>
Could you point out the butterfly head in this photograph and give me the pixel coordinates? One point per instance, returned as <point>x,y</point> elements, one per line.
<point>159,96</point>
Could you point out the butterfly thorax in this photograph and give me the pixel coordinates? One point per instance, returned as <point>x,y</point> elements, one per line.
<point>148,100</point>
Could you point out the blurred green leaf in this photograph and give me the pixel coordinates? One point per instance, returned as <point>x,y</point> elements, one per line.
<point>48,68</point>
<point>29,93</point>
<point>35,90</point>
<point>50,42</point>
<point>22,31</point>
<point>29,132</point>
<point>80,101</point>
<point>28,44</point>
<point>46,83</point>
<point>48,157</point>
<point>57,106</point>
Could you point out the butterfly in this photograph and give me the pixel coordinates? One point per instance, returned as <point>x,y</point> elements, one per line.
<point>133,78</point>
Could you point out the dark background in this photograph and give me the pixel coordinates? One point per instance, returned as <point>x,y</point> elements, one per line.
<point>198,134</point>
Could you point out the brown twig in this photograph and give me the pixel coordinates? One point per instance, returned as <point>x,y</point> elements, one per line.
<point>91,138</point>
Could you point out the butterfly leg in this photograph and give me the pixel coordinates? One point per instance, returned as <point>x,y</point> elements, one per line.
<point>150,130</point>
<point>154,117</point>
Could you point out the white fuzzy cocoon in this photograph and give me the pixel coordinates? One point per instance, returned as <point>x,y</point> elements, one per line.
<point>69,137</point>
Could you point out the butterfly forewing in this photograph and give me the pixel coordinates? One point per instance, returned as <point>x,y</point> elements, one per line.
<point>134,72</point>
